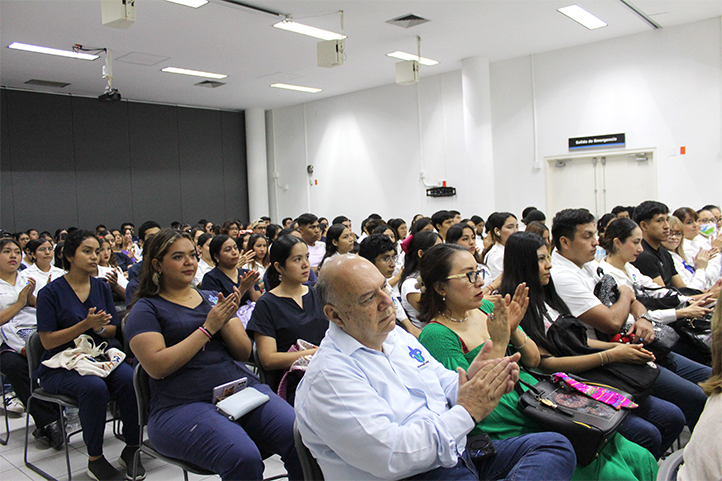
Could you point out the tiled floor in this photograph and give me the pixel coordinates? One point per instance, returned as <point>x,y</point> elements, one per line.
<point>12,466</point>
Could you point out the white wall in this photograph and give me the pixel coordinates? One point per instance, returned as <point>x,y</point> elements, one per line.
<point>662,88</point>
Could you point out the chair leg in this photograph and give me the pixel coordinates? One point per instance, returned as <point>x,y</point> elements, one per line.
<point>136,457</point>
<point>185,475</point>
<point>4,442</point>
<point>34,468</point>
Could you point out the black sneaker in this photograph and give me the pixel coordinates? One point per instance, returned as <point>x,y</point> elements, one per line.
<point>102,470</point>
<point>126,460</point>
<point>54,435</point>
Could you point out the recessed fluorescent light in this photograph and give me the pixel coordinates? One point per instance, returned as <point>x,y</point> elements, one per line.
<point>196,73</point>
<point>310,90</point>
<point>52,51</point>
<point>581,16</point>
<point>407,56</point>
<point>190,3</point>
<point>310,31</point>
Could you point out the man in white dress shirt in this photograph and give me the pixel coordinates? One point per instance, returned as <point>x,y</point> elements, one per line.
<point>374,404</point>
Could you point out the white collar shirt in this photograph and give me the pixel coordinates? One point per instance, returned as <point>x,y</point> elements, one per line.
<point>366,414</point>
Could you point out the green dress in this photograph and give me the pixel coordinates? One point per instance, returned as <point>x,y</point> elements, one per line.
<point>621,459</point>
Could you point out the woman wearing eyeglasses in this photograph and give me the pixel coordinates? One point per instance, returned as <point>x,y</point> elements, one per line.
<point>692,271</point>
<point>457,331</point>
<point>42,270</point>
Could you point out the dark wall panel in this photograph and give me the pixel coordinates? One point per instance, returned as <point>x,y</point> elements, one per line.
<point>71,161</point>
<point>235,176</point>
<point>7,210</point>
<point>201,165</point>
<point>155,172</point>
<point>40,134</point>
<point>102,162</point>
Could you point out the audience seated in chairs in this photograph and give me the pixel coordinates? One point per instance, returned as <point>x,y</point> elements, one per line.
<point>75,304</point>
<point>189,342</point>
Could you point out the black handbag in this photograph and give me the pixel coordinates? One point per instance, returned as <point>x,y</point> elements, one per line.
<point>699,334</point>
<point>586,422</point>
<point>568,337</point>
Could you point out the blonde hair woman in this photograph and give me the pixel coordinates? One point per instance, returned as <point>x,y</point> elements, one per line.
<point>702,454</point>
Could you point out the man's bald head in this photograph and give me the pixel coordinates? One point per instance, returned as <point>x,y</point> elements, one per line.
<point>355,298</point>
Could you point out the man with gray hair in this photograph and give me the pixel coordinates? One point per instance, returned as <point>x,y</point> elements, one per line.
<point>374,404</point>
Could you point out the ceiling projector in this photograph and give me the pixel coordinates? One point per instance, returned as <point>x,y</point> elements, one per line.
<point>111,95</point>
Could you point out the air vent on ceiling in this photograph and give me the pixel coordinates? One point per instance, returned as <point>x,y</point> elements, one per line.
<point>47,83</point>
<point>211,84</point>
<point>407,21</point>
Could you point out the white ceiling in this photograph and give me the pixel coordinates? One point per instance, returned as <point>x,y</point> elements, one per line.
<point>239,42</point>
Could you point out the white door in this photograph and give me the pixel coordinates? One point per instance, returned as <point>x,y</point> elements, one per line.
<point>600,181</point>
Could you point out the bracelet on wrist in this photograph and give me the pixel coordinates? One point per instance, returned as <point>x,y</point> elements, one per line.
<point>100,331</point>
<point>206,332</point>
<point>601,358</point>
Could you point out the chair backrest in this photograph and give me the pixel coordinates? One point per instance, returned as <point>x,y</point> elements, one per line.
<point>141,383</point>
<point>34,351</point>
<point>669,467</point>
<point>272,378</point>
<point>309,465</point>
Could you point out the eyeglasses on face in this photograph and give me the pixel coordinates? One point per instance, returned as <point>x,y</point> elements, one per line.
<point>471,275</point>
<point>675,234</point>
<point>389,259</point>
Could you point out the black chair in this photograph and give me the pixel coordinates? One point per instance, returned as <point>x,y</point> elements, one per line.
<point>34,351</point>
<point>272,378</point>
<point>4,441</point>
<point>141,383</point>
<point>309,465</point>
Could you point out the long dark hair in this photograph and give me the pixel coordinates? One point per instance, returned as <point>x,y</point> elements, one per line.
<point>495,221</point>
<point>522,265</point>
<point>72,242</point>
<point>434,268</point>
<point>333,234</point>
<point>280,252</point>
<point>421,241</point>
<point>216,245</point>
<point>621,229</point>
<point>157,247</point>
<point>252,241</point>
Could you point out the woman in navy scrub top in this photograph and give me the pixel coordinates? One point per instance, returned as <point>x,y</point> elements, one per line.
<point>76,304</point>
<point>289,310</point>
<point>227,274</point>
<point>189,342</point>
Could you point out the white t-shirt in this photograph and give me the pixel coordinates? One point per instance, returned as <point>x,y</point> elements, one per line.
<point>576,286</point>
<point>635,280</point>
<point>698,280</point>
<point>203,268</point>
<point>42,279</point>
<point>408,287</point>
<point>495,260</point>
<point>103,274</point>
<point>316,253</point>
<point>702,458</point>
<point>714,267</point>
<point>16,331</point>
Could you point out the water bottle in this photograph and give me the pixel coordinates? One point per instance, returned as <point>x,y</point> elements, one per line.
<point>72,420</point>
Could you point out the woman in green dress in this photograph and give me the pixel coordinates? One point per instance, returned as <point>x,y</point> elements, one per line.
<point>457,330</point>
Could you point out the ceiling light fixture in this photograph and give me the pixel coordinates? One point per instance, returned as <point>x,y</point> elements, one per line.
<point>581,16</point>
<point>296,27</point>
<point>195,73</point>
<point>409,56</point>
<point>190,3</point>
<point>51,51</point>
<point>309,90</point>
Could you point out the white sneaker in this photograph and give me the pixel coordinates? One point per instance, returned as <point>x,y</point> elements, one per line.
<point>13,404</point>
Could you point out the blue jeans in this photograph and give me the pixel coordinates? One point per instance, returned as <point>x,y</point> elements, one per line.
<point>677,383</point>
<point>654,425</point>
<point>199,434</point>
<point>539,456</point>
<point>93,394</point>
